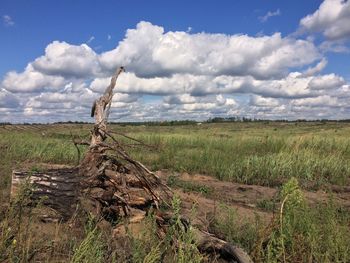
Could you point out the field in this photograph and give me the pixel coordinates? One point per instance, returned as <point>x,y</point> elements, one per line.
<point>280,190</point>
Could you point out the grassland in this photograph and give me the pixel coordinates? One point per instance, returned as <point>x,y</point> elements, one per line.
<point>266,154</point>
<point>251,153</point>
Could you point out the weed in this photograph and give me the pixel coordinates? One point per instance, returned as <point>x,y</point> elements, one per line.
<point>255,153</point>
<point>266,205</point>
<point>174,181</point>
<point>234,229</point>
<point>178,244</point>
<point>15,228</point>
<point>298,232</point>
<point>303,234</point>
<point>92,248</point>
<point>146,246</point>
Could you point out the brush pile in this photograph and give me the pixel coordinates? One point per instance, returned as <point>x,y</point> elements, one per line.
<point>118,186</point>
<point>114,187</point>
<point>114,184</point>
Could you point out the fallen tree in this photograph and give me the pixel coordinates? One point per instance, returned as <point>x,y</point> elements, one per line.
<point>110,185</point>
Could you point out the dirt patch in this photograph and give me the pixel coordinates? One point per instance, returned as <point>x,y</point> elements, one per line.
<point>247,200</point>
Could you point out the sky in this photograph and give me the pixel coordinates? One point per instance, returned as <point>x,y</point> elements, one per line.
<point>184,59</point>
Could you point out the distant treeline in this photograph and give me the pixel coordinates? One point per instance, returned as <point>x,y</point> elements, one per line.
<point>190,122</point>
<point>245,119</point>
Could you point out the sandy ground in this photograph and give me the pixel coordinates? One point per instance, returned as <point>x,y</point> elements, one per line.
<point>244,199</point>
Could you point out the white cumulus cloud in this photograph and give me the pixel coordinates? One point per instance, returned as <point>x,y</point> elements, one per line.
<point>332,19</point>
<point>177,75</point>
<point>63,59</point>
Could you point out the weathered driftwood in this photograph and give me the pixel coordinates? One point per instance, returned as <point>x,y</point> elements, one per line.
<point>55,188</point>
<point>115,182</point>
<point>100,110</point>
<point>210,244</point>
<point>111,185</point>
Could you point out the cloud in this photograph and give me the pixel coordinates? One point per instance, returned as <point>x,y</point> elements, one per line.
<point>330,81</point>
<point>63,59</point>
<point>180,99</point>
<point>183,87</point>
<point>317,68</point>
<point>31,81</point>
<point>259,101</point>
<point>8,100</point>
<point>92,38</point>
<point>198,107</point>
<point>7,20</point>
<point>320,101</point>
<point>332,19</point>
<point>184,75</point>
<point>334,46</point>
<point>269,14</point>
<point>149,51</point>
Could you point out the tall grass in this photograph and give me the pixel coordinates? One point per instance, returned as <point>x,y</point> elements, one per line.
<point>297,233</point>
<point>21,146</point>
<point>92,249</point>
<point>269,160</point>
<point>266,154</point>
<point>251,153</point>
<point>177,246</point>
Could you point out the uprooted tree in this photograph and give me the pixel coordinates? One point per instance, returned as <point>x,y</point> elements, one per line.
<point>109,184</point>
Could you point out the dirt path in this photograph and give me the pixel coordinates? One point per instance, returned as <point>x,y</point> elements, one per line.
<point>247,200</point>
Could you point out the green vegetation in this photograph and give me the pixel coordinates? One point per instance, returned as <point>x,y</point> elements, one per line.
<point>254,154</point>
<point>298,233</point>
<point>267,204</point>
<point>15,228</point>
<point>301,234</point>
<point>177,246</point>
<point>251,153</point>
<point>173,181</point>
<point>290,156</point>
<point>92,248</point>
<point>236,229</point>
<point>19,243</point>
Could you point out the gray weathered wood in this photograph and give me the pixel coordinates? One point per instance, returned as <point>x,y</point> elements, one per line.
<point>100,110</point>
<point>55,188</point>
<point>109,189</point>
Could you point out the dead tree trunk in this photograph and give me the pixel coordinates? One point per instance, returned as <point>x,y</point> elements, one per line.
<point>55,188</point>
<point>111,185</point>
<point>106,183</point>
<point>100,110</point>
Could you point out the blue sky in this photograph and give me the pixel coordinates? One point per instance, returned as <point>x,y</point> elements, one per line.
<point>294,59</point>
<point>38,23</point>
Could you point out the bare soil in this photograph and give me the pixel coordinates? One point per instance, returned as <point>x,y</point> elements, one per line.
<point>245,199</point>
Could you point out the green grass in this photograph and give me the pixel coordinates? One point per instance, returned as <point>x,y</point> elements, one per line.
<point>175,182</point>
<point>259,154</point>
<point>253,153</point>
<point>316,154</point>
<point>267,205</point>
<point>22,146</point>
<point>92,249</point>
<point>298,232</point>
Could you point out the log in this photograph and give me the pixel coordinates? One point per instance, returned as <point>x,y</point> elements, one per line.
<point>54,188</point>
<point>60,189</point>
<point>209,244</point>
<point>113,186</point>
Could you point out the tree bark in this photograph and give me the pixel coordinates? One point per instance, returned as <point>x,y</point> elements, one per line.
<point>55,188</point>
<point>112,186</point>
<point>100,110</point>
